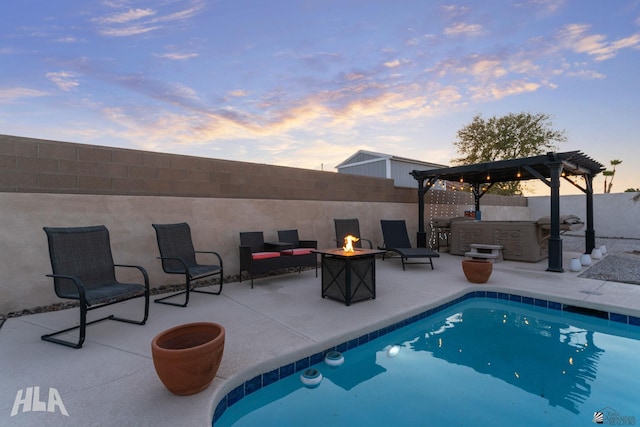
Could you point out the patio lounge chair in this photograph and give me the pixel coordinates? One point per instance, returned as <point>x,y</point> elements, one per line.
<point>179,257</point>
<point>351,226</point>
<point>300,250</point>
<point>83,270</point>
<point>396,239</point>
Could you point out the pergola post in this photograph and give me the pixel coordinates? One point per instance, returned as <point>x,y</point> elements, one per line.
<point>555,241</point>
<point>422,234</point>
<point>476,196</point>
<point>590,233</point>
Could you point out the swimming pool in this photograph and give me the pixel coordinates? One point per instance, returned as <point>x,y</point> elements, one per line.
<point>478,362</point>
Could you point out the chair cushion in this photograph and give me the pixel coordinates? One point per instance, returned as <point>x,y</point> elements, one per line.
<point>265,255</point>
<point>417,252</point>
<point>296,251</point>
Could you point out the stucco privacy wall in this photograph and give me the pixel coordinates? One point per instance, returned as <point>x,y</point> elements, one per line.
<point>216,223</point>
<point>615,215</point>
<point>50,183</point>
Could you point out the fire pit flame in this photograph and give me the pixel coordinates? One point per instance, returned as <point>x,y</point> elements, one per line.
<point>348,243</point>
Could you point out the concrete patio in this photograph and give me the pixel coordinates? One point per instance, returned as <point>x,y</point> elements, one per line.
<point>111,381</point>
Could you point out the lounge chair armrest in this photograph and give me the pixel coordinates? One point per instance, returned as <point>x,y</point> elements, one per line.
<point>184,264</point>
<point>245,255</point>
<point>213,253</point>
<point>142,270</point>
<point>76,281</point>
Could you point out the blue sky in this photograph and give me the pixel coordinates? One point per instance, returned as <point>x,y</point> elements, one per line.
<point>308,83</point>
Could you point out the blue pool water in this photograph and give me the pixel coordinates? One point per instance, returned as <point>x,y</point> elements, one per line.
<point>478,363</point>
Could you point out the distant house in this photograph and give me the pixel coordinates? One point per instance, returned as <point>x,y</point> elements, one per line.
<point>369,163</point>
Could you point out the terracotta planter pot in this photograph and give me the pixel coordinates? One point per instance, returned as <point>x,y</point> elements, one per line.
<point>477,271</point>
<point>187,357</point>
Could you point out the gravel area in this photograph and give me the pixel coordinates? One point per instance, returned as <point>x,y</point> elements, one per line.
<point>620,264</point>
<point>575,243</point>
<point>622,268</point>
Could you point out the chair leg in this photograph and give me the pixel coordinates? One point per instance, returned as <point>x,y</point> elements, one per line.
<point>210,292</point>
<point>185,292</point>
<point>83,325</point>
<point>136,322</point>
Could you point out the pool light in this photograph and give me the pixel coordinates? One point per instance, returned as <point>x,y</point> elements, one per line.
<point>334,359</point>
<point>393,350</point>
<point>311,378</point>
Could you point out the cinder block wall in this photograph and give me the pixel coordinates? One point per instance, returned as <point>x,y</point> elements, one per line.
<point>29,165</point>
<point>40,166</point>
<point>51,183</point>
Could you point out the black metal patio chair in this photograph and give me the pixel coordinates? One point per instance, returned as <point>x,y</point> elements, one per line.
<point>178,256</point>
<point>396,239</point>
<point>350,226</point>
<point>83,270</point>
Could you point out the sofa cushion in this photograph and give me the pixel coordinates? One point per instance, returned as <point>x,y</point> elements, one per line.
<point>296,251</point>
<point>265,255</point>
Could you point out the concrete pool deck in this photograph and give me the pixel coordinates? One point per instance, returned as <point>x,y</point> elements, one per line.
<point>111,381</point>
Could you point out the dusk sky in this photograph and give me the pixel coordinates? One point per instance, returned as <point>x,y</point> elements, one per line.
<point>307,83</point>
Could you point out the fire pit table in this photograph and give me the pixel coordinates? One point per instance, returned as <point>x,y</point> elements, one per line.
<point>348,276</point>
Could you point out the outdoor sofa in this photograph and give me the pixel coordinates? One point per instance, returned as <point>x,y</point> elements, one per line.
<point>258,257</point>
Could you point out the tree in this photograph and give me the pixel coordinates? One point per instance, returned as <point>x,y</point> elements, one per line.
<point>611,173</point>
<point>508,137</point>
<point>635,198</point>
